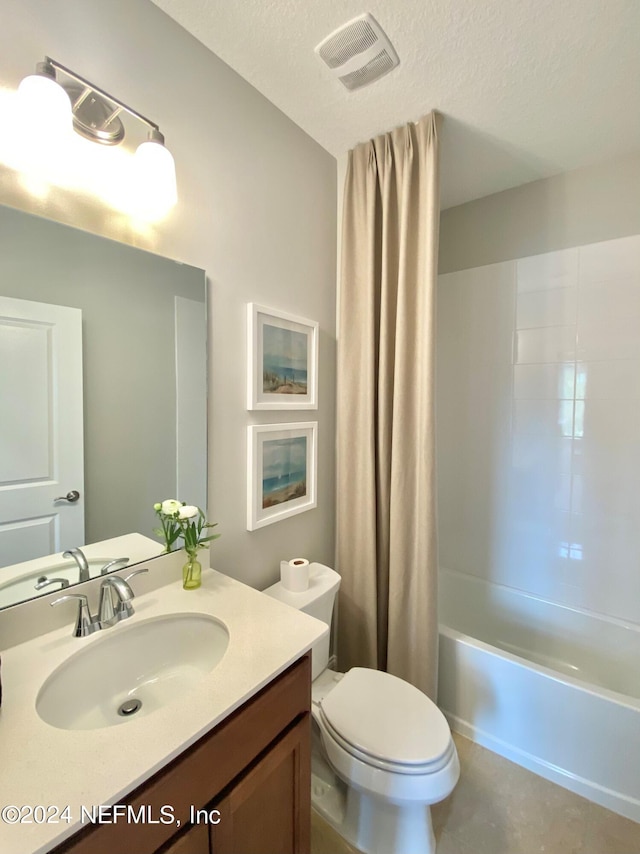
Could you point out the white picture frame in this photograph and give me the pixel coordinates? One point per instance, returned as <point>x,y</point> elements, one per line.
<point>282,467</point>
<point>282,360</point>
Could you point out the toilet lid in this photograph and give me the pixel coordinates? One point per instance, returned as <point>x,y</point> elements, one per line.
<point>386,718</point>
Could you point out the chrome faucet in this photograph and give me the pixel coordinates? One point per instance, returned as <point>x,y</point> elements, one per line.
<point>108,567</point>
<point>115,605</point>
<point>80,558</point>
<point>115,599</point>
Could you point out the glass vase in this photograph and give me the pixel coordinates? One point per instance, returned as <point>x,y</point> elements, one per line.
<point>192,573</point>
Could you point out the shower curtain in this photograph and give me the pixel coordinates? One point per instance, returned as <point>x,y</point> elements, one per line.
<point>386,519</point>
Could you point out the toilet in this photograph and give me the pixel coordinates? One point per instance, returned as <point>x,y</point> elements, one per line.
<point>382,751</point>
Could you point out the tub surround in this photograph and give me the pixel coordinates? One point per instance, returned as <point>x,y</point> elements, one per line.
<point>538,452</point>
<point>103,765</point>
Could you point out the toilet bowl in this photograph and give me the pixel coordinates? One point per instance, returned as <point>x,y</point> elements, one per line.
<point>382,751</point>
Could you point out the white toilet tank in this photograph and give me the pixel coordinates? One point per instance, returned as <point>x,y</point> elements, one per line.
<point>318,602</point>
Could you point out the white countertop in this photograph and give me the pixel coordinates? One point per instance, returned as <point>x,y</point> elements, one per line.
<point>50,767</point>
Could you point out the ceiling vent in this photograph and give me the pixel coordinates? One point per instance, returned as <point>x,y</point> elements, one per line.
<point>358,52</point>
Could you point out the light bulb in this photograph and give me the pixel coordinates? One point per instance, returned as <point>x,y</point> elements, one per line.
<point>155,178</point>
<point>43,128</point>
<point>45,106</point>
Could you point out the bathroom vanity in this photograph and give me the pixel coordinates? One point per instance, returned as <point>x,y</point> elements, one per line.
<point>222,765</point>
<point>249,781</point>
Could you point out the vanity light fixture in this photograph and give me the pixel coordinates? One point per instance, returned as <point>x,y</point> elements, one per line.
<point>51,107</point>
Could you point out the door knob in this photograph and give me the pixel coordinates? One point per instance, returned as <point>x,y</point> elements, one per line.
<point>71,497</point>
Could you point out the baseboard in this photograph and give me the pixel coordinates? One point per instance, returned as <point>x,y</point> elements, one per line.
<point>615,801</point>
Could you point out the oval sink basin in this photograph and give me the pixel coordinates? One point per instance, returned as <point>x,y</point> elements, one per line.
<point>132,671</point>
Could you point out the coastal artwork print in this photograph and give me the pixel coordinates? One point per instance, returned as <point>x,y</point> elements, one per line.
<point>282,360</point>
<point>285,361</point>
<point>282,471</point>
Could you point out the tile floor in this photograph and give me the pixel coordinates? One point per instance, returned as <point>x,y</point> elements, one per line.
<point>500,808</point>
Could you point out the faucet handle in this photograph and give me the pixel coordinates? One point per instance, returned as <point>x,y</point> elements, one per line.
<point>45,582</point>
<point>108,567</point>
<point>85,623</point>
<point>137,572</point>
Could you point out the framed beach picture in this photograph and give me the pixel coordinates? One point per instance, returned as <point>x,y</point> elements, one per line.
<point>282,469</point>
<point>282,360</point>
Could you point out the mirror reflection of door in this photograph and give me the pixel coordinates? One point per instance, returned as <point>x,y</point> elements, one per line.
<point>41,456</point>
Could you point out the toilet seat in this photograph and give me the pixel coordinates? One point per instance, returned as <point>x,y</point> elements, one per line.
<point>376,762</point>
<point>385,722</point>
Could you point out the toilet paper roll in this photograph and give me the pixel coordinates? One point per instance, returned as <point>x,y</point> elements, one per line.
<point>294,574</point>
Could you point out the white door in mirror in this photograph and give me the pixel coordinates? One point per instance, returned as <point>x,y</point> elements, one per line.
<point>41,456</point>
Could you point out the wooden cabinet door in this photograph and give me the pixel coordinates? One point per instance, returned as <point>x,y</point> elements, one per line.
<point>194,841</point>
<point>269,810</point>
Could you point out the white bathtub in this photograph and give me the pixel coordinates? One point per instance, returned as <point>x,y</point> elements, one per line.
<point>554,689</point>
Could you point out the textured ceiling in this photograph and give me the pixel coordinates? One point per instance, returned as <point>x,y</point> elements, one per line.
<point>528,88</point>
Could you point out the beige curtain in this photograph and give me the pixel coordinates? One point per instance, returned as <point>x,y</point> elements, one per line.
<point>387,550</point>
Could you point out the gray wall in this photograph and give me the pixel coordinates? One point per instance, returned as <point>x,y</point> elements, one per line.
<point>579,207</point>
<point>256,210</point>
<point>128,329</point>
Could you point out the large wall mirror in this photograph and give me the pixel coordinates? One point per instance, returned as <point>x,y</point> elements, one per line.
<point>102,401</point>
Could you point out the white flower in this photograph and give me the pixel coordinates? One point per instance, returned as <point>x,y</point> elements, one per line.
<point>188,512</point>
<point>170,506</point>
